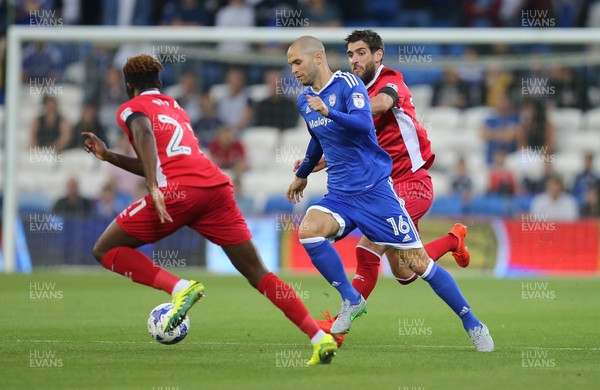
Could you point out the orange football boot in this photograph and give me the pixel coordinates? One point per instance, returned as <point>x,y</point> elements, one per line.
<point>326,326</point>
<point>461,254</point>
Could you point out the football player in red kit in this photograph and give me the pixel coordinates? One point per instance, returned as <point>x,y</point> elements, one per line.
<point>184,189</point>
<point>401,135</point>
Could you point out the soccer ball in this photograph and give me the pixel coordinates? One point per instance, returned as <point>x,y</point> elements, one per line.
<point>156,323</point>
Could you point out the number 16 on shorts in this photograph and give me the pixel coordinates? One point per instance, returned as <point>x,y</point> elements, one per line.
<point>403,229</point>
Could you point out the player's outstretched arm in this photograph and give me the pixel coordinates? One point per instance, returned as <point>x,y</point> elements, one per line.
<point>145,146</point>
<point>95,145</point>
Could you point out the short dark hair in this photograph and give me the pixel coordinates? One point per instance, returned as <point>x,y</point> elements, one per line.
<point>370,37</point>
<point>142,71</point>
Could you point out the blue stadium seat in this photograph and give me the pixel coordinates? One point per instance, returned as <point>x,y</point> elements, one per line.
<point>490,205</point>
<point>521,204</point>
<point>448,205</point>
<point>278,204</point>
<point>383,9</point>
<point>34,203</point>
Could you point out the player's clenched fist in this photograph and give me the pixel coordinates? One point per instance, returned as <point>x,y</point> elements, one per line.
<point>317,104</point>
<point>296,190</point>
<point>95,145</point>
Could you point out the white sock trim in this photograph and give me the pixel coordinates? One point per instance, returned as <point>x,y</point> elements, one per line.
<point>429,267</point>
<point>311,240</point>
<point>181,285</point>
<point>370,250</point>
<point>318,337</point>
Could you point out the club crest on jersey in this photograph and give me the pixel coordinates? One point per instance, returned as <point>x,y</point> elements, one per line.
<point>358,99</point>
<point>332,99</point>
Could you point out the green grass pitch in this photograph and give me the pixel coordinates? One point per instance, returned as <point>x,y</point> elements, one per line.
<point>87,330</point>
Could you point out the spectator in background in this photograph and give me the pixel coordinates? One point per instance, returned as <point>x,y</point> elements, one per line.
<point>555,204</point>
<point>206,127</point>
<point>109,205</point>
<point>126,13</point>
<point>571,89</point>
<point>112,95</point>
<point>91,14</point>
<point>570,13</point>
<point>586,179</point>
<point>23,10</point>
<point>188,96</point>
<point>187,13</point>
<point>278,110</point>
<point>73,204</point>
<point>42,63</point>
<point>477,13</point>
<point>451,91</point>
<point>235,14</point>
<point>97,62</point>
<point>234,108</point>
<point>472,71</point>
<point>270,13</point>
<point>500,130</point>
<point>502,181</point>
<point>535,133</point>
<point>497,84</point>
<point>89,122</point>
<point>50,129</point>
<point>535,186</point>
<point>416,13</point>
<point>321,14</point>
<point>461,183</point>
<point>228,153</point>
<point>591,203</point>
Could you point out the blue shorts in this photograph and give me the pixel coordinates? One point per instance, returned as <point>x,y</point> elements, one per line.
<point>377,212</point>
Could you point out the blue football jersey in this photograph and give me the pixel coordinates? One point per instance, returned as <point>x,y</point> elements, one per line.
<point>355,161</point>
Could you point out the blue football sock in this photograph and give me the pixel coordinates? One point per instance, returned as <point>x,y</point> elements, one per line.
<point>446,288</point>
<point>329,263</point>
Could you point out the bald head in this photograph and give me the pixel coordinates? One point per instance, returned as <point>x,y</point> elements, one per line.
<point>307,45</point>
<point>306,56</point>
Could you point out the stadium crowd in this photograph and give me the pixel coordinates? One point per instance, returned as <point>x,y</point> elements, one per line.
<point>224,102</point>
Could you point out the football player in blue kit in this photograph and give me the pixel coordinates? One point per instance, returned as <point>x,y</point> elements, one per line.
<point>360,193</point>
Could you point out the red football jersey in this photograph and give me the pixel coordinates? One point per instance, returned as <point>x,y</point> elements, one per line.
<point>398,131</point>
<point>180,160</point>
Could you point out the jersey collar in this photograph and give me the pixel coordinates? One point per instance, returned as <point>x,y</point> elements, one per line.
<point>333,76</point>
<point>151,92</point>
<point>375,77</point>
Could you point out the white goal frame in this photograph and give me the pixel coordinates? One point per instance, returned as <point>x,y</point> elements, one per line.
<point>19,34</point>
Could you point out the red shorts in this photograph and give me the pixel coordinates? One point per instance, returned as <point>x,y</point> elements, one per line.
<point>212,212</point>
<point>417,192</point>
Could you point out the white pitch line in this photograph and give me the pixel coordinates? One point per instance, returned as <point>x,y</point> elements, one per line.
<point>302,345</point>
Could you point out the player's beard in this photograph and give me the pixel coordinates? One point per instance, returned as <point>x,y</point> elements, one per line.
<point>368,73</point>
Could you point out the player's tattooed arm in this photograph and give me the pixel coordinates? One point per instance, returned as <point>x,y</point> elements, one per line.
<point>95,145</point>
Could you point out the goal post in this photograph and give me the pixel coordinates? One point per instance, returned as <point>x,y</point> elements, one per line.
<point>18,35</point>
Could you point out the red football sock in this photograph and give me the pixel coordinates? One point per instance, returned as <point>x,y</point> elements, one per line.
<point>286,299</point>
<point>437,248</point>
<point>367,270</point>
<point>139,268</point>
